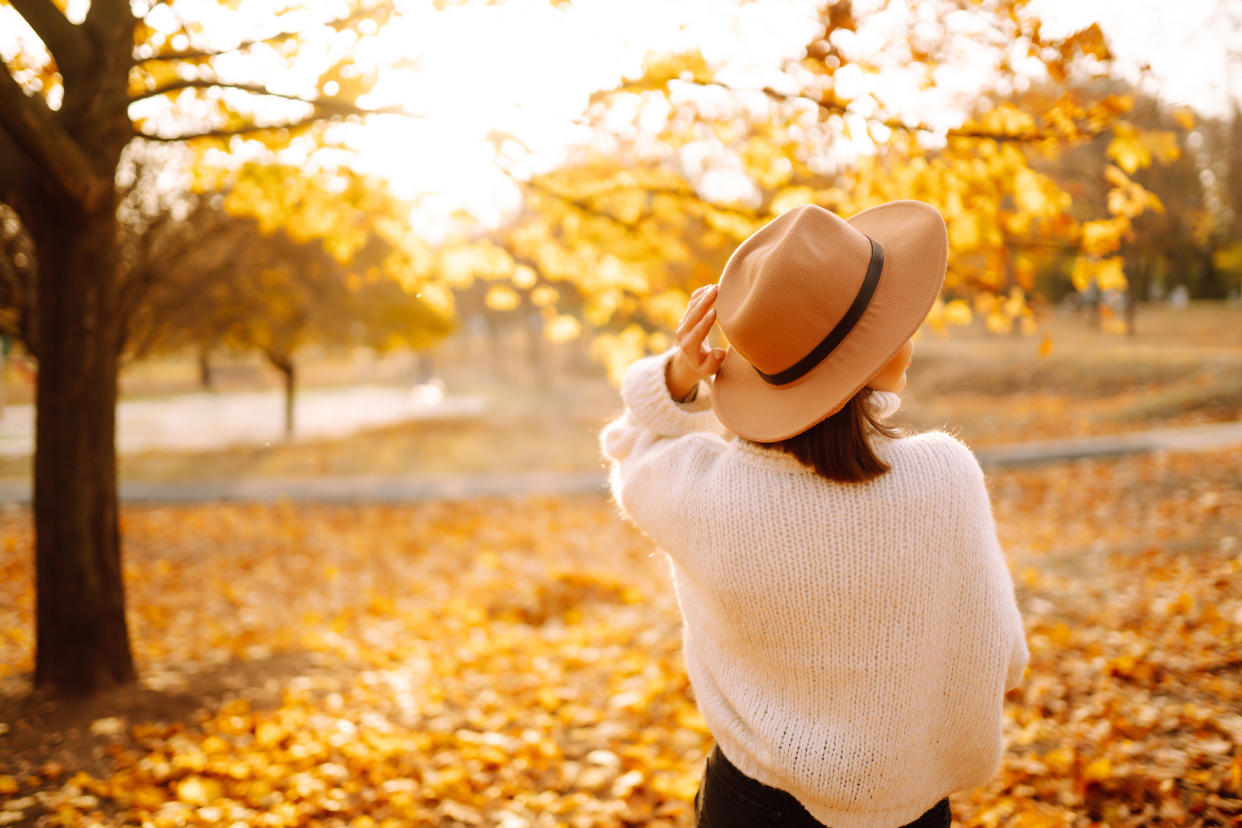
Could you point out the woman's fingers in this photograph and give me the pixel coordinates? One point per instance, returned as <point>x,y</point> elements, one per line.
<point>692,332</point>
<point>691,317</point>
<point>699,332</point>
<point>700,301</point>
<point>692,348</point>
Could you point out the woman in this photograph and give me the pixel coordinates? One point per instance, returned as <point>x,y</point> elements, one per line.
<point>850,623</point>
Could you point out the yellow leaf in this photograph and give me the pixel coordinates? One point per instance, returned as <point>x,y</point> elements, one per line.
<point>1161,144</point>
<point>1045,346</point>
<point>1184,116</point>
<point>195,790</point>
<point>8,784</point>
<point>985,303</point>
<point>1115,176</point>
<point>1109,275</point>
<point>502,298</point>
<point>269,735</point>
<point>1059,760</point>
<point>1101,237</point>
<point>1099,770</point>
<point>544,296</point>
<point>1015,305</point>
<point>523,277</point>
<point>1082,274</point>
<point>791,197</point>
<point>1024,272</point>
<point>1028,192</point>
<point>562,329</point>
<point>658,70</point>
<point>548,698</point>
<point>998,323</point>
<point>1127,149</point>
<point>1009,119</point>
<point>964,232</point>
<point>957,312</point>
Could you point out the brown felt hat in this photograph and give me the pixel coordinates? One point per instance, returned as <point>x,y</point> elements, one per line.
<point>814,306</point>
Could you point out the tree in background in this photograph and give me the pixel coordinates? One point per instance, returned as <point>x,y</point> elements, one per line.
<point>698,163</point>
<point>276,262</point>
<point>65,120</point>
<point>1178,232</point>
<point>1220,232</point>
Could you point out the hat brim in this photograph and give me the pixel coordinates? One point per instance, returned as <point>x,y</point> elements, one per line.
<point>916,250</point>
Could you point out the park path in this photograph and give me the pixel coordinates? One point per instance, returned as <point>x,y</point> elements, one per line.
<point>208,420</point>
<point>415,488</point>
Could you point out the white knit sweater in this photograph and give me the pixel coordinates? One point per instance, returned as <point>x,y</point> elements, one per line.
<point>847,643</point>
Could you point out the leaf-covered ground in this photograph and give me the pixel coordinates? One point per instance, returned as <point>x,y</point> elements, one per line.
<point>517,663</point>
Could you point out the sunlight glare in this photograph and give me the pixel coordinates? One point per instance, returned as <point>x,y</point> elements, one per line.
<point>502,86</point>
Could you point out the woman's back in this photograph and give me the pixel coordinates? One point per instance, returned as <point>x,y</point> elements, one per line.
<point>850,624</point>
<point>849,643</point>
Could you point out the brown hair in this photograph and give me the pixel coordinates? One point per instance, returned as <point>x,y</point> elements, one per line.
<point>839,448</point>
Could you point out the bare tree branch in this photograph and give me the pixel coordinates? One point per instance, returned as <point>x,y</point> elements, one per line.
<point>252,129</point>
<point>588,207</point>
<point>66,41</point>
<point>35,130</point>
<point>140,288</point>
<point>327,105</point>
<point>206,54</point>
<point>581,205</point>
<point>248,129</point>
<point>836,107</point>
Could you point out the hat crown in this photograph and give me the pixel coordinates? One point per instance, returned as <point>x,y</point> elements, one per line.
<point>789,284</point>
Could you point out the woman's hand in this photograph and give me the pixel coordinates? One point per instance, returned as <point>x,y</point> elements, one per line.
<point>694,360</point>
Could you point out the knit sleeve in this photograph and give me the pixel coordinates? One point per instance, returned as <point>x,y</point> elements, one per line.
<point>650,413</point>
<point>1010,620</point>
<point>993,591</point>
<point>645,394</point>
<point>655,446</point>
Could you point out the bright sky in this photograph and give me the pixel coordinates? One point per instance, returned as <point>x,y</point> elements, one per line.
<point>1187,43</point>
<point>527,68</point>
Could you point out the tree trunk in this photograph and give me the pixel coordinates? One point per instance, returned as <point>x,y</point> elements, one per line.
<point>288,372</point>
<point>535,350</point>
<point>82,639</point>
<point>495,346</point>
<point>4,372</point>
<point>68,204</point>
<point>426,361</point>
<point>290,384</point>
<point>204,368</point>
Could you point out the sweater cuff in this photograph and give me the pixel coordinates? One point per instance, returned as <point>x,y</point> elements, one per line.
<point>645,394</point>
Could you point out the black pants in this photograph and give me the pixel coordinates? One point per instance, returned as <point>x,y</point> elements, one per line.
<point>728,798</point>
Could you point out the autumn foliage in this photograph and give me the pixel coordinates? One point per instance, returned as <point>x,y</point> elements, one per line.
<point>698,161</point>
<point>516,663</point>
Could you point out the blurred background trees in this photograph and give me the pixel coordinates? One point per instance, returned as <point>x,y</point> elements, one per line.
<point>188,179</point>
<point>67,120</point>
